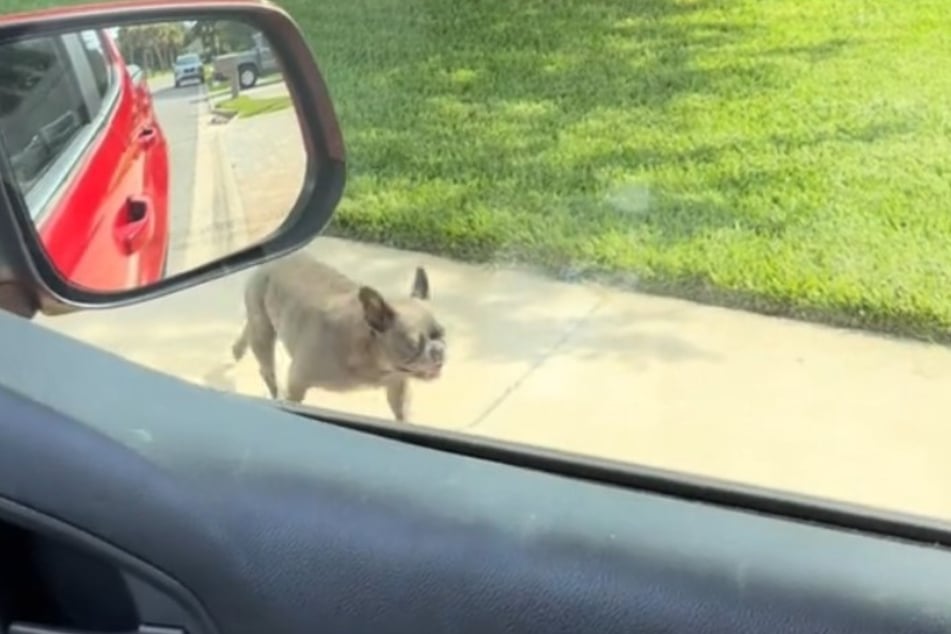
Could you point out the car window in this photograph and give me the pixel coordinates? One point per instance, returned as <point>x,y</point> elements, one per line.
<point>41,106</point>
<point>54,90</point>
<point>187,59</point>
<point>712,237</point>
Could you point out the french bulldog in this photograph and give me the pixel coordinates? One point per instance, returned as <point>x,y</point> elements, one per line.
<point>340,335</point>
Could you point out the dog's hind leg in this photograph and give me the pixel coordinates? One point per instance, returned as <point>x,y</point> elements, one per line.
<point>263,339</point>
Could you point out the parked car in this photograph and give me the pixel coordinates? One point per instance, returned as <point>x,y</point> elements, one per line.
<point>250,64</point>
<point>189,67</point>
<point>89,156</point>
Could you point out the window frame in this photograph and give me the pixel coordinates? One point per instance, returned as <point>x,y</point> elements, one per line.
<point>136,74</point>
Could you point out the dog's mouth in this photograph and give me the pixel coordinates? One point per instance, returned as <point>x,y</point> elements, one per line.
<point>426,373</point>
<point>430,373</point>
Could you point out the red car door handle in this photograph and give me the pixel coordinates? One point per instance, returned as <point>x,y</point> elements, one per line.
<point>148,136</point>
<point>135,225</point>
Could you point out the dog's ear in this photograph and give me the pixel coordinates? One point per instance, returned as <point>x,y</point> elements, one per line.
<point>420,284</point>
<point>376,311</point>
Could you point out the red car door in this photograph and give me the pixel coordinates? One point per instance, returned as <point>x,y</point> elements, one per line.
<point>98,194</point>
<point>150,140</point>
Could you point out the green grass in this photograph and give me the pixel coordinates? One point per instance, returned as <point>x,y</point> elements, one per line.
<point>246,106</point>
<point>790,156</point>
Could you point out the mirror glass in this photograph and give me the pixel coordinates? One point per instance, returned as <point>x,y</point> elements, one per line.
<point>144,151</point>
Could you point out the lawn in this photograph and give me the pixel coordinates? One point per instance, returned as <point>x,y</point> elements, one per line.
<point>789,156</point>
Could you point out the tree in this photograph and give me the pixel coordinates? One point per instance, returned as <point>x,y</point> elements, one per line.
<point>152,46</point>
<point>235,36</point>
<point>222,37</point>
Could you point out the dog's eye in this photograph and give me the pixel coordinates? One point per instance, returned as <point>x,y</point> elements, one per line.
<point>436,332</point>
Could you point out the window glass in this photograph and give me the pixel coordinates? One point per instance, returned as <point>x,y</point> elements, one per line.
<point>41,107</point>
<point>644,224</point>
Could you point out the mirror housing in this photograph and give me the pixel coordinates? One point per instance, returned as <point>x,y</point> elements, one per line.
<point>28,280</point>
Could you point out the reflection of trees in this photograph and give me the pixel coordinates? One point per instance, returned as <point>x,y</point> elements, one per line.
<point>38,113</point>
<point>155,46</point>
<point>234,36</point>
<point>21,68</point>
<point>219,38</point>
<point>152,46</point>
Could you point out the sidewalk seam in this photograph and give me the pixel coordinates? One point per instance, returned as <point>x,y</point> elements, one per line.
<point>538,363</point>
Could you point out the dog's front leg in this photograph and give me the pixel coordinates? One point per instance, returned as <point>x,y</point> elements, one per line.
<point>397,395</point>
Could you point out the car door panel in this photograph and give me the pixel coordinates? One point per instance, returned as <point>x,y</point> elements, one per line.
<point>275,523</point>
<point>81,229</point>
<point>147,141</point>
<point>116,172</point>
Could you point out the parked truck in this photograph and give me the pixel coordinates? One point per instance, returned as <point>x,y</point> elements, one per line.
<point>249,64</point>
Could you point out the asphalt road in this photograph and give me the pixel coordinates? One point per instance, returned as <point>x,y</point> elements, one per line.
<point>177,110</point>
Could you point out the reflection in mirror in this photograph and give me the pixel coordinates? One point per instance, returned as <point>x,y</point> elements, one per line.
<point>144,151</point>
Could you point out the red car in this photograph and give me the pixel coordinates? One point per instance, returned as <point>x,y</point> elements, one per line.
<point>90,158</point>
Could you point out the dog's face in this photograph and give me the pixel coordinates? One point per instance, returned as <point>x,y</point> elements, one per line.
<point>410,337</point>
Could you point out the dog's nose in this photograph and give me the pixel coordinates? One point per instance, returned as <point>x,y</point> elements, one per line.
<point>437,354</point>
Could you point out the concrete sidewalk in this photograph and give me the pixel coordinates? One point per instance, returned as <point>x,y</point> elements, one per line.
<point>207,220</point>
<point>615,374</point>
<point>268,160</point>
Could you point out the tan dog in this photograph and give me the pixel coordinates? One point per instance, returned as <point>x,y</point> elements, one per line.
<point>340,335</point>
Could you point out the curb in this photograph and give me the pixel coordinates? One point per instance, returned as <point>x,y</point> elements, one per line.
<point>226,114</point>
<point>232,196</point>
<point>219,115</point>
<point>222,117</point>
<point>195,249</point>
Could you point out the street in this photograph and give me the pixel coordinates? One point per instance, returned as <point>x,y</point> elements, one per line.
<point>178,112</point>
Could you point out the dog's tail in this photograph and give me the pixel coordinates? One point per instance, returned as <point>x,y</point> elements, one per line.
<point>240,345</point>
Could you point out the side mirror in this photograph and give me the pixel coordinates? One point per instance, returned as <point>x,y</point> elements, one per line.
<point>147,147</point>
